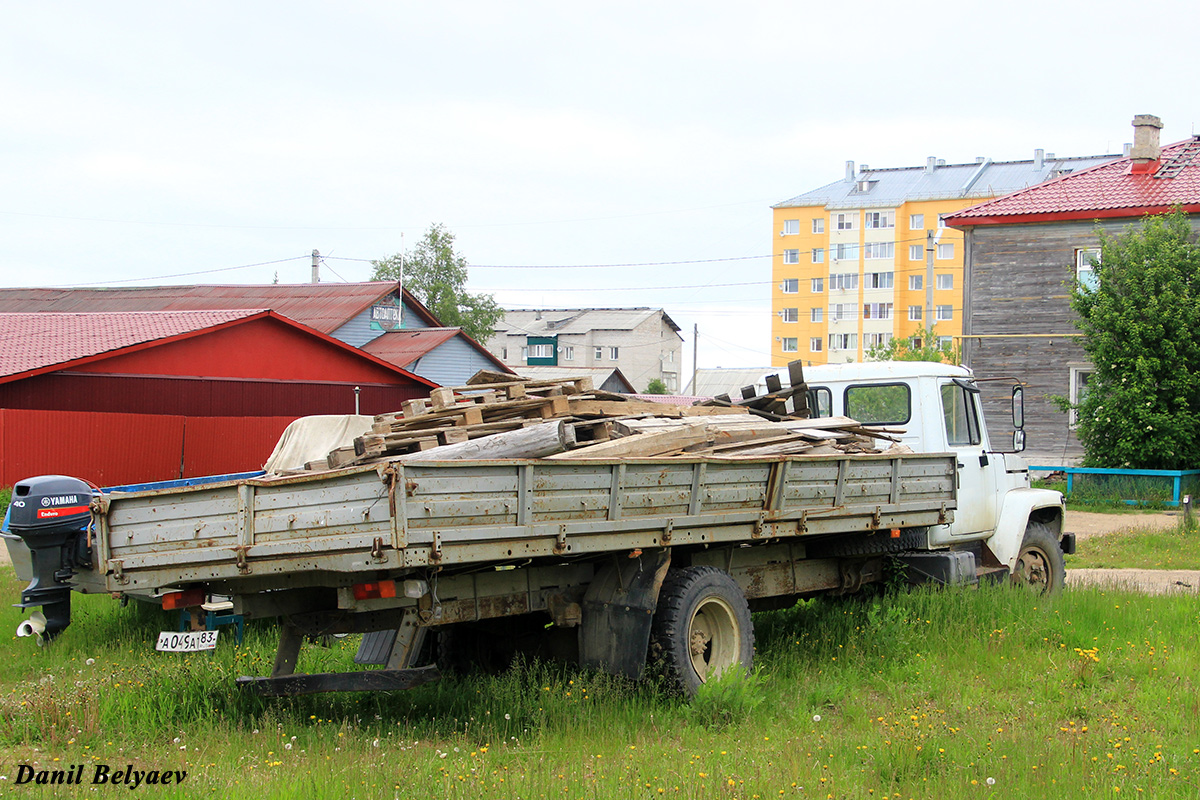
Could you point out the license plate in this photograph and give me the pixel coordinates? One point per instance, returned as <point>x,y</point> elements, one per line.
<point>189,642</point>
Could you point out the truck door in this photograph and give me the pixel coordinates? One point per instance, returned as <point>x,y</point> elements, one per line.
<point>978,483</point>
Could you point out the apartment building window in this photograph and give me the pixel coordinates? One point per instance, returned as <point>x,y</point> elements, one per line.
<point>915,252</point>
<point>841,311</point>
<point>843,341</point>
<point>876,339</point>
<point>599,353</point>
<point>944,313</point>
<point>916,222</point>
<point>790,314</point>
<point>945,251</point>
<point>524,353</point>
<point>916,282</point>
<point>791,344</point>
<point>818,225</point>
<point>791,227</point>
<point>1085,272</point>
<point>541,351</point>
<point>816,314</point>
<point>791,256</point>
<point>818,285</point>
<point>843,280</point>
<point>790,286</point>
<point>846,222</point>
<point>814,344</point>
<point>614,352</point>
<point>945,342</point>
<point>844,251</point>
<point>818,255</point>
<point>945,281</point>
<point>877,311</point>
<point>879,250</point>
<point>914,313</point>
<point>504,354</point>
<point>568,353</point>
<point>880,219</point>
<point>878,280</point>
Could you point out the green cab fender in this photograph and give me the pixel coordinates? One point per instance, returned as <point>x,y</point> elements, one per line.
<point>1019,506</point>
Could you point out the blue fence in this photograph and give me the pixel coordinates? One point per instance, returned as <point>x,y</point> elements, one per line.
<point>1182,481</point>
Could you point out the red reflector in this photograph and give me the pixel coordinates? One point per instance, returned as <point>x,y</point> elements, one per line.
<point>174,600</point>
<point>374,591</point>
<point>895,533</point>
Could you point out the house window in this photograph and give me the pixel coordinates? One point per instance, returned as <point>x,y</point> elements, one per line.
<point>944,313</point>
<point>568,353</point>
<point>599,353</point>
<point>880,219</point>
<point>790,286</point>
<point>787,314</point>
<point>613,352</point>
<point>791,227</point>
<point>945,251</point>
<point>816,315</point>
<point>843,281</point>
<point>814,344</point>
<point>879,250</point>
<point>818,225</point>
<point>844,251</point>
<point>1079,381</point>
<point>504,354</point>
<point>791,344</point>
<point>791,256</point>
<point>916,222</point>
<point>1085,261</point>
<point>916,282</point>
<point>945,281</point>
<point>541,351</point>
<point>846,221</point>
<point>878,280</point>
<point>914,313</point>
<point>916,252</point>
<point>524,353</point>
<point>841,311</point>
<point>843,341</point>
<point>818,255</point>
<point>670,356</point>
<point>818,285</point>
<point>877,311</point>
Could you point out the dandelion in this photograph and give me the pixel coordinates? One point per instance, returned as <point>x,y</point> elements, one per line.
<point>991,781</point>
<point>90,661</point>
<point>816,717</point>
<point>508,716</point>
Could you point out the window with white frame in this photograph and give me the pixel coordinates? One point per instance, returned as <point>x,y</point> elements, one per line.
<point>944,313</point>
<point>914,313</point>
<point>916,342</point>
<point>1085,272</point>
<point>876,339</point>
<point>818,225</point>
<point>878,280</point>
<point>847,221</point>
<point>814,344</point>
<point>670,356</point>
<point>791,227</point>
<point>818,255</point>
<point>790,344</point>
<point>614,353</point>
<point>816,314</point>
<point>599,353</point>
<point>916,222</point>
<point>945,342</point>
<point>877,311</point>
<point>842,252</point>
<point>880,219</point>
<point>945,251</point>
<point>916,282</point>
<point>541,351</point>
<point>916,252</point>
<point>524,353</point>
<point>791,256</point>
<point>789,314</point>
<point>568,353</point>
<point>841,311</point>
<point>790,285</point>
<point>843,281</point>
<point>818,285</point>
<point>945,281</point>
<point>879,250</point>
<point>1079,381</point>
<point>843,341</point>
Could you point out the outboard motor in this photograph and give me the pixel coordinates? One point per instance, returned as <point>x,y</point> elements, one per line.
<point>51,513</point>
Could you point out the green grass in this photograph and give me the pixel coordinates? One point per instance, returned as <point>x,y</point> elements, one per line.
<point>924,695</point>
<point>1140,548</point>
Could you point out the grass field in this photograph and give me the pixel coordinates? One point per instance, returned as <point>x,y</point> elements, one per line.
<point>1140,548</point>
<point>964,693</point>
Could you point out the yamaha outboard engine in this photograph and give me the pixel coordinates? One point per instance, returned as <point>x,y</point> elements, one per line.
<point>51,513</point>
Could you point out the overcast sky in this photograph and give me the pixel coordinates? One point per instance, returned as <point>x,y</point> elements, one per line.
<point>218,142</point>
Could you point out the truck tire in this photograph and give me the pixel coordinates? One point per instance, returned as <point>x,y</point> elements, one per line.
<point>701,628</point>
<point>1040,565</point>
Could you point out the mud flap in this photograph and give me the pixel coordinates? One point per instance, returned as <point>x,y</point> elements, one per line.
<point>618,610</point>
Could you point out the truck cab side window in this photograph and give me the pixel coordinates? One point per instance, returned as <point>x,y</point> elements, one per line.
<point>879,403</point>
<point>958,412</point>
<point>820,402</point>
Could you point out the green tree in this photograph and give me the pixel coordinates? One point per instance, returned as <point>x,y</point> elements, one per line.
<point>656,386</point>
<point>906,350</point>
<point>437,276</point>
<point>1141,323</point>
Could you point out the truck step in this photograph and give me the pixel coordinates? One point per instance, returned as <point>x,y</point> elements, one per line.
<point>375,680</point>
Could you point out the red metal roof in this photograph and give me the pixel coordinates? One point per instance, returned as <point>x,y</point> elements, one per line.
<point>404,347</point>
<point>1114,189</point>
<point>322,306</point>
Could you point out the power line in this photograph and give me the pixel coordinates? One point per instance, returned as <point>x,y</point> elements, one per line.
<point>183,274</point>
<point>588,266</point>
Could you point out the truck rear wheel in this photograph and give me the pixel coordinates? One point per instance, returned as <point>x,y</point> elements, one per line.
<point>1040,565</point>
<point>701,628</point>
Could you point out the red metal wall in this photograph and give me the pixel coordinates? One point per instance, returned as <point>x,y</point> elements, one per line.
<point>110,449</point>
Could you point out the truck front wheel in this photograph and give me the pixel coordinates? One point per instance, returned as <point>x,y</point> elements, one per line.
<point>1040,564</point>
<point>701,628</point>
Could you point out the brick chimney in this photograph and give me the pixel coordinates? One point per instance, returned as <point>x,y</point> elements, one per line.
<point>1146,149</point>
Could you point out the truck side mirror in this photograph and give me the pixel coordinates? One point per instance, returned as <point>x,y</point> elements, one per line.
<point>1018,441</point>
<point>1018,412</point>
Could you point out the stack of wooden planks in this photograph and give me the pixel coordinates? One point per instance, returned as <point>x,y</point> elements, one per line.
<point>496,415</point>
<point>777,402</point>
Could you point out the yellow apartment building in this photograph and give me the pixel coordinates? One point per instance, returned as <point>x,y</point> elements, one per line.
<point>866,259</point>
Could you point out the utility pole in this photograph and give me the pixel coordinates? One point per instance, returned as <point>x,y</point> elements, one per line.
<point>316,266</point>
<point>695,348</point>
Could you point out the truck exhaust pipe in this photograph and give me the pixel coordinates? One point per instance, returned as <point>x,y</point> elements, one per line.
<point>51,514</point>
